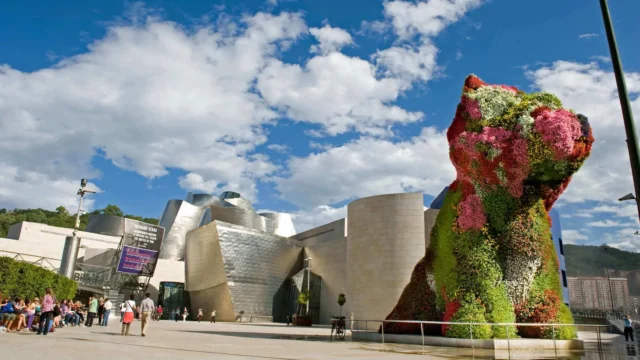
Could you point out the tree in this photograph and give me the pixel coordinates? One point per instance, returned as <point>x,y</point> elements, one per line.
<point>303,298</point>
<point>112,210</point>
<point>61,210</point>
<point>342,299</point>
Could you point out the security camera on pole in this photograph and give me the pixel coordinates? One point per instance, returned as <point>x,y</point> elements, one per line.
<point>72,243</point>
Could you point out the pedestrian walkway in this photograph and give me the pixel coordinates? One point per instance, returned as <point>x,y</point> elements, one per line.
<point>192,340</point>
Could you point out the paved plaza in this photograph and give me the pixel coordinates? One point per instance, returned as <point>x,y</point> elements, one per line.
<point>192,340</point>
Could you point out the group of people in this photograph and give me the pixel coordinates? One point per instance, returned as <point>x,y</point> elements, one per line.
<point>146,312</point>
<point>52,313</point>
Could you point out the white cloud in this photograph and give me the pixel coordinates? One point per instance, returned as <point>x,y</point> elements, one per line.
<point>573,236</point>
<point>195,182</point>
<point>416,24</point>
<point>628,211</point>
<point>591,90</point>
<point>427,18</point>
<point>369,166</point>
<point>308,219</point>
<point>605,223</point>
<point>331,39</point>
<point>338,92</point>
<point>280,148</point>
<point>587,36</point>
<point>624,239</point>
<point>458,55</point>
<point>137,95</point>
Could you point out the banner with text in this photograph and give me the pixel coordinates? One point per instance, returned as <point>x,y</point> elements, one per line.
<point>141,247</point>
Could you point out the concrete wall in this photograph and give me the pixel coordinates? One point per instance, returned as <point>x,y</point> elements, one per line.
<point>34,241</point>
<point>386,239</point>
<point>329,260</point>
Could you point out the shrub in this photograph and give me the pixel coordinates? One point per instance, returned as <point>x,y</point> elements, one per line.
<point>28,281</point>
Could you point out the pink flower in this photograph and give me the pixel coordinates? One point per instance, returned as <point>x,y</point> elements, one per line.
<point>472,108</point>
<point>559,129</point>
<point>470,213</point>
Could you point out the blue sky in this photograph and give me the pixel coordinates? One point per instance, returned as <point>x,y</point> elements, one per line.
<point>300,106</point>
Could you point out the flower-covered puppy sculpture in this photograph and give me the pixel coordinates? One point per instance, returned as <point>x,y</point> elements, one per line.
<point>491,257</point>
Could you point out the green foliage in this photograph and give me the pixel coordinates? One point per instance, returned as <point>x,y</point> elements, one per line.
<point>304,297</point>
<point>60,217</point>
<point>498,205</point>
<point>592,260</point>
<point>342,299</point>
<point>471,310</point>
<point>28,281</point>
<point>565,317</point>
<point>444,265</point>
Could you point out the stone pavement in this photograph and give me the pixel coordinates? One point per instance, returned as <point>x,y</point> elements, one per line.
<point>192,340</point>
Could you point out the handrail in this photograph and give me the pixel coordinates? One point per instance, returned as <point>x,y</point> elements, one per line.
<point>357,329</point>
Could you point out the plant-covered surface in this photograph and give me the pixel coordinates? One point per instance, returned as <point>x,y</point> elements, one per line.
<point>28,281</point>
<point>491,256</point>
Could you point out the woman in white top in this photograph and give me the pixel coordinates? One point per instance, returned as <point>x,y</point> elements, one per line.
<point>127,318</point>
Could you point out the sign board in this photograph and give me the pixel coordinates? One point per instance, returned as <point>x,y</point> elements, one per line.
<point>140,248</point>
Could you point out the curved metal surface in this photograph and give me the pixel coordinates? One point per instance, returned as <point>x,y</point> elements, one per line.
<point>241,203</point>
<point>179,217</point>
<point>106,224</point>
<point>283,225</point>
<point>238,269</point>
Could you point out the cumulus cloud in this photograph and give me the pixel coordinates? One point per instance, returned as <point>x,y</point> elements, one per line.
<point>573,236</point>
<point>416,24</point>
<point>136,96</point>
<point>304,220</point>
<point>605,223</point>
<point>369,166</point>
<point>330,38</point>
<point>280,148</point>
<point>338,92</point>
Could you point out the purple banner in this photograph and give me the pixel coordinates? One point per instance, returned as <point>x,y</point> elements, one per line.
<point>137,261</point>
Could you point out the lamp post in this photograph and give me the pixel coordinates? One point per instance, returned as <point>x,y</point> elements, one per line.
<point>606,264</point>
<point>72,243</point>
<point>308,282</point>
<point>627,115</point>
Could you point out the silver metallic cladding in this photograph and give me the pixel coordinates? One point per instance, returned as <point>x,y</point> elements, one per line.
<point>283,225</point>
<point>179,217</point>
<point>256,265</point>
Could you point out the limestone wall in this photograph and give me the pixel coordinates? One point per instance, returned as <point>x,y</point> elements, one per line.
<point>386,238</point>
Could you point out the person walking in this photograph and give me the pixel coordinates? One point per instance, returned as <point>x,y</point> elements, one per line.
<point>628,328</point>
<point>185,314</point>
<point>213,316</point>
<point>159,312</point>
<point>93,311</point>
<point>100,311</point>
<point>129,311</point>
<point>200,315</point>
<point>107,311</point>
<point>146,309</point>
<point>176,315</point>
<point>46,314</point>
<point>351,321</point>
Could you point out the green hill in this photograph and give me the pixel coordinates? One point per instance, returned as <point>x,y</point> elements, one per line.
<point>60,217</point>
<point>592,260</point>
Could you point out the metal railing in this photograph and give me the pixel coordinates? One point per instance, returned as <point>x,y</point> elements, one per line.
<point>508,326</point>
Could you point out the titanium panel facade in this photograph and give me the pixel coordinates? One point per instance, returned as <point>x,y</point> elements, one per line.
<point>179,217</point>
<point>283,225</point>
<point>255,266</point>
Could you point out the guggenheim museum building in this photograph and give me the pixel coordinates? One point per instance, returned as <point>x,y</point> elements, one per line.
<point>251,266</point>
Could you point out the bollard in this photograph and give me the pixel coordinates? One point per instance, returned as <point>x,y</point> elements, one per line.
<point>422,332</point>
<point>382,332</point>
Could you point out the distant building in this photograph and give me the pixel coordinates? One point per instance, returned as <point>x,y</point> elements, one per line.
<point>594,293</point>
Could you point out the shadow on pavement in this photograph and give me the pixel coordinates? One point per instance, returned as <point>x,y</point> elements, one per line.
<point>258,335</point>
<point>154,346</point>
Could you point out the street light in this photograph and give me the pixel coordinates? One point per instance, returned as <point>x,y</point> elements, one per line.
<point>308,260</point>
<point>606,264</point>
<point>627,197</point>
<point>625,104</point>
<point>72,243</point>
